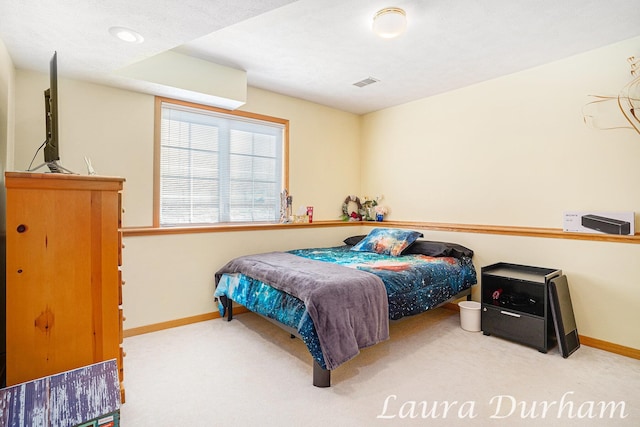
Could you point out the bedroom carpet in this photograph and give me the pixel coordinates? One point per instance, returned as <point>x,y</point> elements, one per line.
<point>431,372</point>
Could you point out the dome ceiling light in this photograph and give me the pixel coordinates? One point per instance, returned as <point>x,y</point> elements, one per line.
<point>389,22</point>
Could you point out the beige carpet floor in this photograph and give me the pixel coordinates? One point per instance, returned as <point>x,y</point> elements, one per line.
<point>431,372</point>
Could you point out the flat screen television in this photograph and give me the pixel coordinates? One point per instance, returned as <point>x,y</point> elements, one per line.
<point>51,152</point>
<point>51,143</point>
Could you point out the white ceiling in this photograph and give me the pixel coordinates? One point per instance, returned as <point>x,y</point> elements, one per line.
<point>317,49</point>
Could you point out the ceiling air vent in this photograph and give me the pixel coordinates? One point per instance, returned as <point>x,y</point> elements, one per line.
<point>366,82</point>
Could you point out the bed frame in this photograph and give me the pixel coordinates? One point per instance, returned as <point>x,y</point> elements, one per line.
<point>321,377</point>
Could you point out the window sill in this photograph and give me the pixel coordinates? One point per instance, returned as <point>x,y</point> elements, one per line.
<point>226,227</point>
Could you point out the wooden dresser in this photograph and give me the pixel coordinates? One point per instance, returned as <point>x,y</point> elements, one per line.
<point>64,295</point>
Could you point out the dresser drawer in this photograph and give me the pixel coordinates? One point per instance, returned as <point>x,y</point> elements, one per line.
<point>515,326</point>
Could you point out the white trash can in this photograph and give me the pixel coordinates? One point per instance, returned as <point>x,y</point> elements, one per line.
<point>470,315</point>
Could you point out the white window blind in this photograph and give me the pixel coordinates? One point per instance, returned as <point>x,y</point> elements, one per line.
<point>217,167</point>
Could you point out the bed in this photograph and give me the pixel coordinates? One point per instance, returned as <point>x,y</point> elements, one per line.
<point>340,299</point>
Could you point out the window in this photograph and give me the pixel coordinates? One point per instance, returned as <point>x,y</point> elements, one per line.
<point>216,166</point>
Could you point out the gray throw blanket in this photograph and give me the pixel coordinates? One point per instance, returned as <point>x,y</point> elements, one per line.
<point>349,307</point>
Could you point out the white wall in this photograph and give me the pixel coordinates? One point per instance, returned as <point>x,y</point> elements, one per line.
<point>516,151</point>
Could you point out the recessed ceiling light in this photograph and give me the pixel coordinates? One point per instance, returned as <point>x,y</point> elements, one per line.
<point>126,34</point>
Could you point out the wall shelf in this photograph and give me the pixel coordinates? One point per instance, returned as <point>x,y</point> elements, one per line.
<point>548,233</point>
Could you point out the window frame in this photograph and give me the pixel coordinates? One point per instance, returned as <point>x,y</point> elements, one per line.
<point>231,113</point>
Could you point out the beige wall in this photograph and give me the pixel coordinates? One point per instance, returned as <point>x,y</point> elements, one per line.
<point>512,151</point>
<point>515,151</point>
<point>324,145</point>
<point>112,127</point>
<point>115,129</point>
<point>7,126</point>
<point>171,277</point>
<point>7,97</point>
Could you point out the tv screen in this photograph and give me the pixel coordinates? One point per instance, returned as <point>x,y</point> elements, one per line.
<point>51,153</point>
<point>51,142</point>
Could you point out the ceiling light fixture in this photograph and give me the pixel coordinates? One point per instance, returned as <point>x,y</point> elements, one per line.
<point>126,34</point>
<point>389,22</point>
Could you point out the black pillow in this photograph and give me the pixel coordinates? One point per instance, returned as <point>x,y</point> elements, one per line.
<point>353,240</point>
<point>425,247</point>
